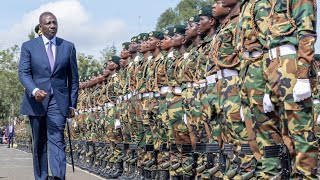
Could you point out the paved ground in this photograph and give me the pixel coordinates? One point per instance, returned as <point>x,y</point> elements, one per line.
<point>17,165</point>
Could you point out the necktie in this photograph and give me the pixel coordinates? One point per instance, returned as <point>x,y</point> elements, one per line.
<point>50,55</point>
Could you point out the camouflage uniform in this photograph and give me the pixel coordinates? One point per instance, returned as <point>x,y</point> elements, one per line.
<point>234,132</point>
<point>291,38</point>
<point>263,128</point>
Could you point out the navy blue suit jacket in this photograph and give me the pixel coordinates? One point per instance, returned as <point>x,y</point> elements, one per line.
<point>35,72</point>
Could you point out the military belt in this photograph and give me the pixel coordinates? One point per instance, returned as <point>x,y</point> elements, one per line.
<point>224,73</point>
<point>212,79</point>
<point>120,146</point>
<point>228,149</point>
<point>212,148</point>
<point>200,148</point>
<point>186,148</point>
<point>149,147</point>
<point>165,89</point>
<point>173,147</point>
<point>163,147</point>
<point>253,54</point>
<point>133,146</point>
<point>282,51</point>
<point>245,149</point>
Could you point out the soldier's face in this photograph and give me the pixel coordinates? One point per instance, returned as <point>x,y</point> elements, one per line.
<point>192,30</point>
<point>152,43</point>
<point>124,54</point>
<point>205,24</point>
<point>177,40</point>
<point>49,26</point>
<point>166,43</point>
<point>112,65</point>
<point>219,10</point>
<point>144,47</point>
<point>133,47</point>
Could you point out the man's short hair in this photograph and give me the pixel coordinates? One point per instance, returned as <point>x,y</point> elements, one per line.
<point>45,14</point>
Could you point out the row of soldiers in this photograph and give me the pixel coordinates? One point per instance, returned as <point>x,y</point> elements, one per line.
<point>227,96</point>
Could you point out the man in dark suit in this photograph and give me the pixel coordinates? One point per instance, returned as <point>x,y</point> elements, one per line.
<point>49,73</point>
<point>10,134</point>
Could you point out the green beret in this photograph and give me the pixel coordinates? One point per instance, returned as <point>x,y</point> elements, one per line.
<point>179,29</point>
<point>37,28</point>
<point>206,11</point>
<point>125,45</point>
<point>169,31</point>
<point>156,34</point>
<point>115,59</point>
<point>316,57</point>
<point>143,37</point>
<point>134,39</point>
<point>195,19</point>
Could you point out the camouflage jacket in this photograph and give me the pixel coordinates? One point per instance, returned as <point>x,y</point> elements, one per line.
<point>113,88</point>
<point>294,22</point>
<point>224,51</point>
<point>151,74</point>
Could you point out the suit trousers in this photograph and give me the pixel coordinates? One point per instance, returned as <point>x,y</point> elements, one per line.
<point>49,156</point>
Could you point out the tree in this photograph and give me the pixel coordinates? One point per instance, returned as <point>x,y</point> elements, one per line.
<point>107,52</point>
<point>11,89</point>
<point>181,13</point>
<point>87,66</point>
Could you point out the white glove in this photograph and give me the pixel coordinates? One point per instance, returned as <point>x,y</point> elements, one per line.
<point>302,90</point>
<point>267,104</point>
<point>318,120</point>
<point>185,119</point>
<point>117,124</point>
<point>242,114</point>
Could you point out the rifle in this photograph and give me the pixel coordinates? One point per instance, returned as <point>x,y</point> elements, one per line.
<point>69,137</point>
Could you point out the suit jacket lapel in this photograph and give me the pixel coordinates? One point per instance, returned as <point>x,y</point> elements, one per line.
<point>43,52</point>
<point>59,49</point>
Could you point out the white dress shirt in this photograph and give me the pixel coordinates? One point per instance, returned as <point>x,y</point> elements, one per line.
<point>46,44</point>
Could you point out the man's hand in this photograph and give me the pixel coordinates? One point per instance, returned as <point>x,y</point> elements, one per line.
<point>71,113</point>
<point>40,94</point>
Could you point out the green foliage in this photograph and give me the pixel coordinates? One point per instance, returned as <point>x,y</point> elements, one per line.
<point>87,66</point>
<point>181,13</point>
<point>10,90</point>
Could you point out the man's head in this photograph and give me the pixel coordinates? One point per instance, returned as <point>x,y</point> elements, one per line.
<point>48,24</point>
<point>206,20</point>
<point>221,8</point>
<point>178,38</point>
<point>125,50</point>
<point>114,63</point>
<point>166,43</point>
<point>192,27</point>
<point>134,45</point>
<point>142,39</point>
<point>37,30</point>
<point>154,40</point>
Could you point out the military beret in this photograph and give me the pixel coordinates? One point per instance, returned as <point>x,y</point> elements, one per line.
<point>316,57</point>
<point>206,11</point>
<point>125,45</point>
<point>134,39</point>
<point>169,31</point>
<point>179,29</point>
<point>115,59</point>
<point>143,37</point>
<point>156,34</point>
<point>194,19</point>
<point>37,30</point>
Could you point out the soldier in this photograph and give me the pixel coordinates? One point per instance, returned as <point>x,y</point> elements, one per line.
<point>156,139</point>
<point>263,128</point>
<point>141,104</point>
<point>228,65</point>
<point>291,38</point>
<point>114,125</point>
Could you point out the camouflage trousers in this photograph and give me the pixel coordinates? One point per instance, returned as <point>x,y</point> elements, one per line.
<point>122,110</point>
<point>297,123</point>
<point>180,132</point>
<point>114,134</point>
<point>263,128</point>
<point>233,129</point>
